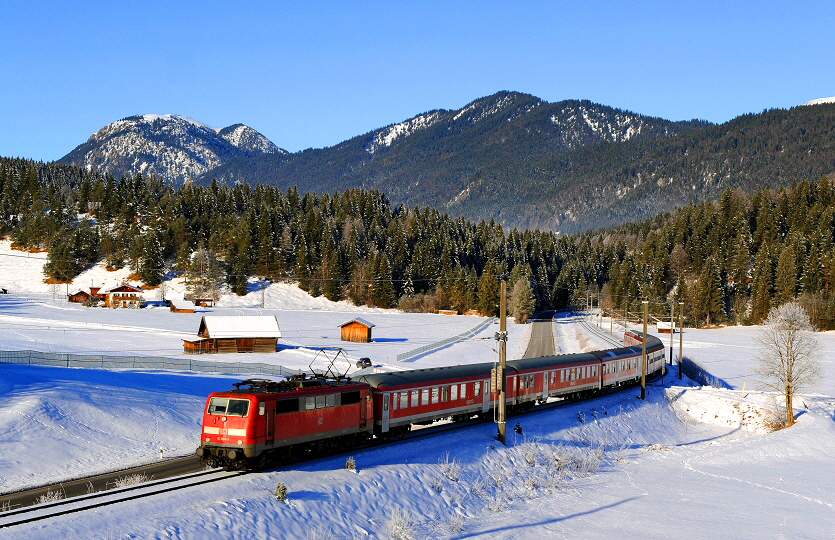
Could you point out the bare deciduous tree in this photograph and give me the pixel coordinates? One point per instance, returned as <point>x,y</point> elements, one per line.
<point>788,359</point>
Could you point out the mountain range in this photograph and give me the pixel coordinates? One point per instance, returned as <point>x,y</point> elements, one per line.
<point>170,146</point>
<point>565,166</point>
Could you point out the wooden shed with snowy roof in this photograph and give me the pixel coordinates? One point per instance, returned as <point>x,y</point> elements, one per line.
<point>79,296</point>
<point>356,330</point>
<point>229,334</point>
<point>181,306</point>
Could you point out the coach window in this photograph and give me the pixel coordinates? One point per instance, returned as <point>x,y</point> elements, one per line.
<point>415,398</point>
<point>424,396</point>
<point>395,401</point>
<point>435,394</point>
<point>453,392</point>
<point>463,390</point>
<point>404,400</point>
<point>477,388</point>
<point>445,393</point>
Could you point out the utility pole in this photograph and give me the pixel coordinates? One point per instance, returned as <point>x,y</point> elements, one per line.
<point>672,331</point>
<point>644,353</point>
<point>680,335</point>
<point>501,337</point>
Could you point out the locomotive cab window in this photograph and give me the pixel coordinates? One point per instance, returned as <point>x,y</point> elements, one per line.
<point>228,407</point>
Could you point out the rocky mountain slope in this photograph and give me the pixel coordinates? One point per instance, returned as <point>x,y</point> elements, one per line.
<point>440,158</point>
<point>170,146</point>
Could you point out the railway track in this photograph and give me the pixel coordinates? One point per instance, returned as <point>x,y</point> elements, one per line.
<point>599,332</point>
<point>28,514</point>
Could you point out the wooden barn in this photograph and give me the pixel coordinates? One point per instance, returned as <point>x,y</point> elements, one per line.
<point>225,334</point>
<point>79,296</point>
<point>356,330</point>
<point>181,306</point>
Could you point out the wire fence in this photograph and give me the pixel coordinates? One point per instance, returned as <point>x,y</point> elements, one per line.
<point>411,355</point>
<point>69,360</point>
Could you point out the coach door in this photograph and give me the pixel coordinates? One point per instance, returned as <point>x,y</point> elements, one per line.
<point>364,408</point>
<point>385,419</point>
<point>485,400</point>
<point>270,421</point>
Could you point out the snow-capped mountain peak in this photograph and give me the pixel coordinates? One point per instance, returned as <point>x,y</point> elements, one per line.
<point>170,146</point>
<point>168,117</point>
<point>821,101</point>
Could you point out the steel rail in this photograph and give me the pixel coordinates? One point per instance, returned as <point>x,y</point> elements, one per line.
<point>93,500</point>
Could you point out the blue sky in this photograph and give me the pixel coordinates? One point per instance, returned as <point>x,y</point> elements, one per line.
<point>312,74</point>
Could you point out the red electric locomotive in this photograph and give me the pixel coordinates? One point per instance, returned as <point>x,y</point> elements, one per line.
<point>262,420</point>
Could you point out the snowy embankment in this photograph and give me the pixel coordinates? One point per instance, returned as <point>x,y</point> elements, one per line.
<point>688,462</point>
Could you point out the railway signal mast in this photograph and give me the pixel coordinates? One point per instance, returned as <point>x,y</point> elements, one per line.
<point>501,337</point>
<point>644,354</point>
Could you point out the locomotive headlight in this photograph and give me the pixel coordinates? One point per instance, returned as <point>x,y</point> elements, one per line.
<point>223,419</point>
<point>208,439</point>
<point>240,441</point>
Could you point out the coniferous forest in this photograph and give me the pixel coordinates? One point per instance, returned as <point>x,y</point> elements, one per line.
<point>729,261</point>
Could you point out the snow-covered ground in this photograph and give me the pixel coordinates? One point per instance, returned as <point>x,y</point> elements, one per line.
<point>688,462</point>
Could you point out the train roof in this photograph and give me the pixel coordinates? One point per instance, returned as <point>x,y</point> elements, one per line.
<point>525,364</point>
<point>436,374</point>
<point>427,375</point>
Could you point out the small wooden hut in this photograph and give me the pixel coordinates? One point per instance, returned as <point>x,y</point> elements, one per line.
<point>181,306</point>
<point>356,330</point>
<point>225,334</point>
<point>79,296</point>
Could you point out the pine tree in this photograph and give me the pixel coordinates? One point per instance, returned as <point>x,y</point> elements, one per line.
<point>151,270</point>
<point>785,281</point>
<point>708,299</point>
<point>522,301</point>
<point>761,287</point>
<point>487,301</point>
<point>60,263</point>
<point>382,290</point>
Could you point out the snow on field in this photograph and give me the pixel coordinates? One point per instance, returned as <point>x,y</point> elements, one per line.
<point>688,462</point>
